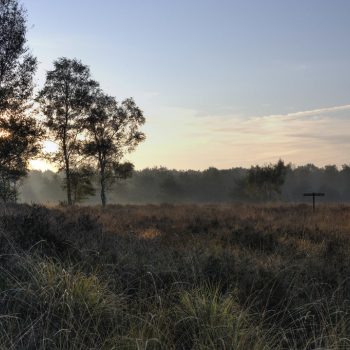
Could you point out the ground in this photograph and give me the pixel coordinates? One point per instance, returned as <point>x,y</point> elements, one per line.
<point>175,277</point>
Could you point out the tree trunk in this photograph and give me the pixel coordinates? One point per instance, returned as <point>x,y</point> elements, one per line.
<point>65,151</point>
<point>103,186</point>
<point>68,184</point>
<point>68,180</point>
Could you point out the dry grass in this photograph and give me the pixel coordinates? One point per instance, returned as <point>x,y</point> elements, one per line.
<point>175,277</point>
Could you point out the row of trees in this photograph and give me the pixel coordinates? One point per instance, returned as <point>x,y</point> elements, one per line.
<point>91,129</point>
<point>159,185</point>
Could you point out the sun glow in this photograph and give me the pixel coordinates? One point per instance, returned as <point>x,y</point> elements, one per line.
<point>42,164</point>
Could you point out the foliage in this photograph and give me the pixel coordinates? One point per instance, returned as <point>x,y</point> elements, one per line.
<point>65,97</point>
<point>20,134</point>
<point>265,182</point>
<point>19,142</point>
<point>111,130</point>
<point>17,65</point>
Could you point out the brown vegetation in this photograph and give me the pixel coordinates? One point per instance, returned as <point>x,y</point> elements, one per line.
<point>175,277</point>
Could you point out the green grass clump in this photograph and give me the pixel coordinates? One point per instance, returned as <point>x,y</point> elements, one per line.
<point>208,320</point>
<point>52,307</point>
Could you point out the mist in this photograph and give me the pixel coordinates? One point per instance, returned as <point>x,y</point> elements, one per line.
<point>162,185</point>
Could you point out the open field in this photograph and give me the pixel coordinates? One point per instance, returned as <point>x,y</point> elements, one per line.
<point>175,277</point>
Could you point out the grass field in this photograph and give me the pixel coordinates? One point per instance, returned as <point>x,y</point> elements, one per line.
<point>175,277</point>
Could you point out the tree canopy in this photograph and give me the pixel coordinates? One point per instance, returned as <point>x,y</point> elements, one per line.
<point>20,133</point>
<point>17,65</point>
<point>111,131</point>
<point>265,182</point>
<point>64,99</point>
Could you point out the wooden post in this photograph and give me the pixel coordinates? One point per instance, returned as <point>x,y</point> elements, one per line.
<point>314,194</point>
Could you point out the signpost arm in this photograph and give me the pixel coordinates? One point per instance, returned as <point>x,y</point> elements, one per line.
<point>313,195</point>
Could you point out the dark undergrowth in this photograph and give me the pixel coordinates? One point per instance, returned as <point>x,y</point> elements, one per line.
<point>175,277</point>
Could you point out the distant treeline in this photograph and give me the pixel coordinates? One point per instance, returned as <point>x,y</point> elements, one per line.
<point>162,185</point>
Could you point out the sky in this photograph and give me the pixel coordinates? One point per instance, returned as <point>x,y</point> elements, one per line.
<point>221,83</point>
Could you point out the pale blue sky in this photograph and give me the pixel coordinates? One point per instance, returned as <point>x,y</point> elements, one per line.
<point>220,82</point>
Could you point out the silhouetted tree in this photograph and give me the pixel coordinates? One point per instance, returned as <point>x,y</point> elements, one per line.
<point>17,65</point>
<point>19,142</point>
<point>20,134</point>
<point>64,99</point>
<point>112,130</point>
<point>265,183</point>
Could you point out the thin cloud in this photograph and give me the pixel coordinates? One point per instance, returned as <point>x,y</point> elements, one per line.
<point>305,136</point>
<point>309,113</point>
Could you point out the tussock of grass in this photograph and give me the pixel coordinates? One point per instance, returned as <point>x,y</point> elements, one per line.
<point>56,307</point>
<point>208,320</point>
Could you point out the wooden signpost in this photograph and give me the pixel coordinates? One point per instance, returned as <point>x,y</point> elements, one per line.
<point>314,194</point>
